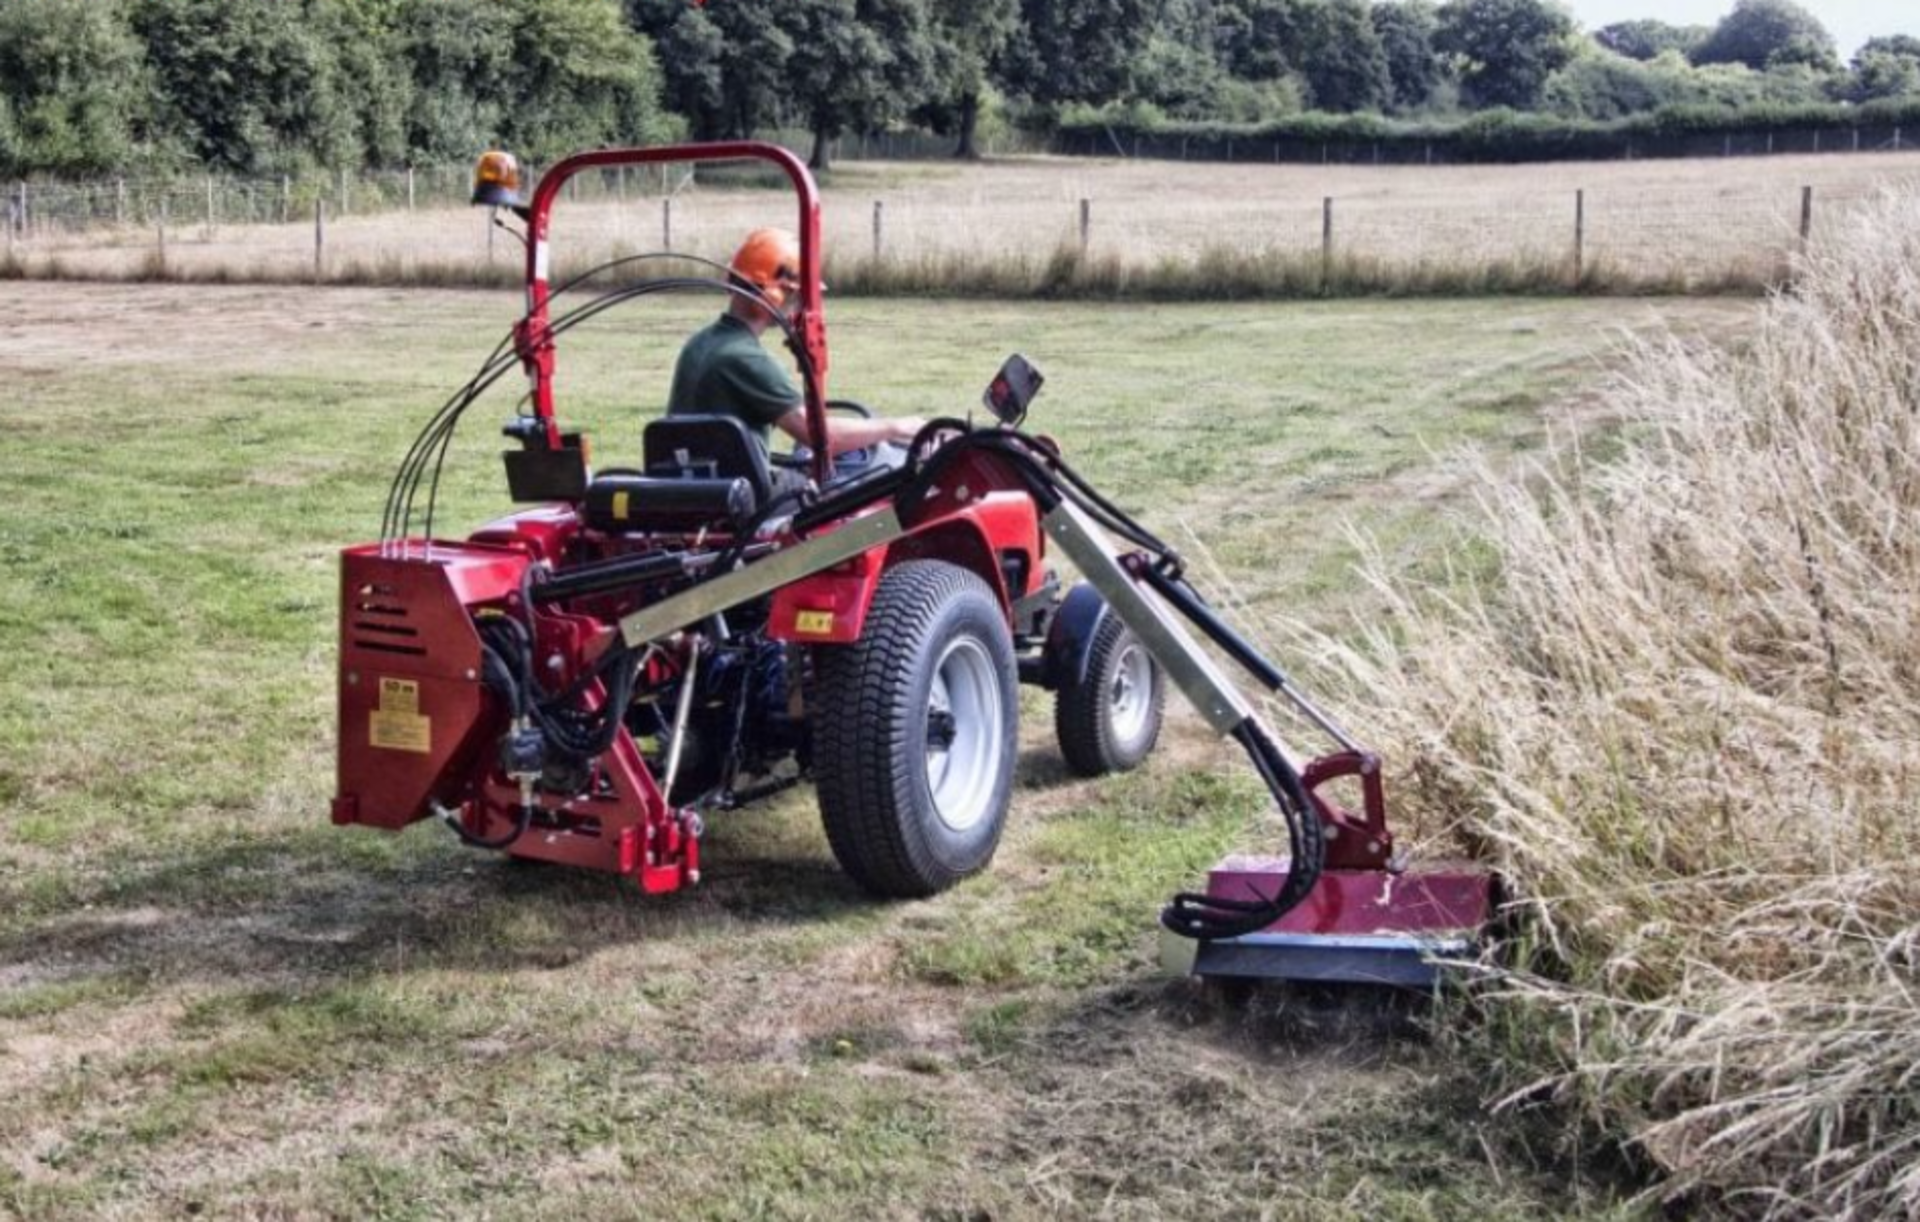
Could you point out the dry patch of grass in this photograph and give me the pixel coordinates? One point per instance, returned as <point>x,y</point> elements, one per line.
<point>1682,718</point>
<point>1158,230</point>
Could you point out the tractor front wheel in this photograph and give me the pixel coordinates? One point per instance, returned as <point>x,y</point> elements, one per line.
<point>914,732</point>
<point>1109,720</point>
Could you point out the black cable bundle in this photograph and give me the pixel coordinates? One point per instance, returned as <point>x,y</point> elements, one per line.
<point>1205,917</point>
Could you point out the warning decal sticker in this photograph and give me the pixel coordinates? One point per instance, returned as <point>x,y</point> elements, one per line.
<point>397,724</point>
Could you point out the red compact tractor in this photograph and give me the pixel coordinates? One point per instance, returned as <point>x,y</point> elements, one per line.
<point>590,679</point>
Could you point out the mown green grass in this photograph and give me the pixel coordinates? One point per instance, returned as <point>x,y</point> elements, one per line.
<point>213,1001</point>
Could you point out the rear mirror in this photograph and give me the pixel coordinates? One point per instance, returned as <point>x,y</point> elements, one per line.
<point>1013,389</point>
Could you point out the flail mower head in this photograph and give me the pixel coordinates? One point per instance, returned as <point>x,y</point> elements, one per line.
<point>639,650</point>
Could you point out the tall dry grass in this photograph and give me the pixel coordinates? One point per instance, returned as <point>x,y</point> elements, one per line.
<point>1683,718</point>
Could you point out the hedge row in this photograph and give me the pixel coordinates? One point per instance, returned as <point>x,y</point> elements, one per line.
<point>1502,135</point>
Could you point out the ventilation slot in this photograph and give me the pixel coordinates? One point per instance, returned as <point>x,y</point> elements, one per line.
<point>381,634</point>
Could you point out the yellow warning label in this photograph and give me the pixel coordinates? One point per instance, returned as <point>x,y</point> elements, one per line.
<point>400,731</point>
<point>620,506</point>
<point>397,724</point>
<point>399,696</point>
<point>816,623</point>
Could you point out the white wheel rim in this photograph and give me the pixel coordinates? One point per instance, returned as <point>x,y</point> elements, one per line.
<point>1130,695</point>
<point>965,724</point>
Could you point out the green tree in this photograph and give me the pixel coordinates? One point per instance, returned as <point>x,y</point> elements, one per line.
<point>69,85</point>
<point>1341,55</point>
<point>1647,37</point>
<point>369,84</point>
<point>243,84</point>
<point>1768,33</point>
<point>1407,29</point>
<point>856,65</point>
<point>971,37</point>
<point>1505,50</point>
<point>1886,68</point>
<point>580,78</point>
<point>724,66</point>
<point>1081,50</point>
<point>459,56</point>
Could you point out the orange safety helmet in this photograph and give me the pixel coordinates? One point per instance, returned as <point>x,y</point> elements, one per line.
<point>769,260</point>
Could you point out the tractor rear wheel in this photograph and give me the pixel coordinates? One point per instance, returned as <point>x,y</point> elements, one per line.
<point>914,732</point>
<point>1109,721</point>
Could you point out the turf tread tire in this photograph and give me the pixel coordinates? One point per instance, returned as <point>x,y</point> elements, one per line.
<point>868,699</point>
<point>1081,711</point>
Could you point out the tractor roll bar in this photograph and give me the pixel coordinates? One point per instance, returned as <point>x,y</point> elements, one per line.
<point>809,321</point>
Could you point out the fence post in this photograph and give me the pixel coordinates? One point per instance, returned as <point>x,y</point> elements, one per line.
<point>1086,225</point>
<point>26,215</point>
<point>1769,144</point>
<point>119,201</point>
<point>210,218</point>
<point>286,198</point>
<point>1326,245</point>
<point>1579,236</point>
<point>879,209</point>
<point>1856,139</point>
<point>409,188</point>
<point>345,198</point>
<point>621,183</point>
<point>666,223</point>
<point>1896,139</point>
<point>1806,216</point>
<point>319,239</point>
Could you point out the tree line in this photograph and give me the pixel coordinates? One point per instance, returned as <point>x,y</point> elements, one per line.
<point>261,86</point>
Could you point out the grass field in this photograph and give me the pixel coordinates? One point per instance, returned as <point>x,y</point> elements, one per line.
<point>1166,229</point>
<point>213,1002</point>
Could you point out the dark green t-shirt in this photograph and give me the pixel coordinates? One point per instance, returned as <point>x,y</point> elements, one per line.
<point>724,371</point>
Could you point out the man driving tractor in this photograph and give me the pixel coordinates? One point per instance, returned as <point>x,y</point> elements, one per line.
<point>724,369</point>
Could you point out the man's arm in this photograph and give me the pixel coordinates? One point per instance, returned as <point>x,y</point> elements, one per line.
<point>852,433</point>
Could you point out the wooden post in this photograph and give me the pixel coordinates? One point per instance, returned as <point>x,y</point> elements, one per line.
<point>409,188</point>
<point>209,204</point>
<point>1856,139</point>
<point>345,198</point>
<point>621,183</point>
<point>1326,244</point>
<point>119,201</point>
<point>286,199</point>
<point>1579,236</point>
<point>319,239</point>
<point>666,223</point>
<point>1086,224</point>
<point>1806,216</point>
<point>879,208</point>
<point>1896,139</point>
<point>1769,143</point>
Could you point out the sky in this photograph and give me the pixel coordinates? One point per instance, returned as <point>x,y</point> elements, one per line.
<point>1852,22</point>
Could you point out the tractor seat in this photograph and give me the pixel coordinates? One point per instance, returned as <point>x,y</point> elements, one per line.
<point>707,447</point>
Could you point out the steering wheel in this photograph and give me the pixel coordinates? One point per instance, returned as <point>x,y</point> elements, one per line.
<point>801,457</point>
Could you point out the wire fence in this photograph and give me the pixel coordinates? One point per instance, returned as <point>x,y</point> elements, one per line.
<point>1674,225</point>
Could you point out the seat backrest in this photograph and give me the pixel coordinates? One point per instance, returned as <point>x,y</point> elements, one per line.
<point>706,447</point>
